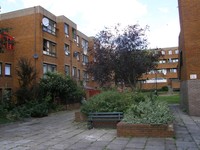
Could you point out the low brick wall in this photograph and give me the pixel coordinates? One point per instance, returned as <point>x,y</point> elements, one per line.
<point>80,117</point>
<point>144,130</point>
<point>73,106</point>
<point>105,124</point>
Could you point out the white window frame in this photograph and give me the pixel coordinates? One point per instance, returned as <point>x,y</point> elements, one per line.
<point>51,28</point>
<point>7,69</point>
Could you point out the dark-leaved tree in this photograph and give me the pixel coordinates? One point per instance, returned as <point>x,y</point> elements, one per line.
<point>121,56</point>
<point>26,76</point>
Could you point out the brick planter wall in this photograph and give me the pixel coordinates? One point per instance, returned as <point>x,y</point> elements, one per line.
<point>80,117</point>
<point>144,130</point>
<point>73,106</point>
<point>105,124</point>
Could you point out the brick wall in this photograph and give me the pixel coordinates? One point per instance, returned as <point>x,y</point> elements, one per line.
<point>189,44</point>
<point>143,130</point>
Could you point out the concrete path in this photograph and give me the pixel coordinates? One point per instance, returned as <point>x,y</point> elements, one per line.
<point>59,132</point>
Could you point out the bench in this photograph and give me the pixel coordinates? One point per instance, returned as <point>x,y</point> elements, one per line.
<point>104,117</point>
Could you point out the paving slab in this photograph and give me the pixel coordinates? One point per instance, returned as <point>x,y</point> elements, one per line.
<point>58,131</point>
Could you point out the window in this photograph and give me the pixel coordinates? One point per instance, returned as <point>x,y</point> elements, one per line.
<point>163,52</point>
<point>0,68</point>
<point>51,27</point>
<point>170,60</point>
<point>66,28</point>
<point>78,74</point>
<point>66,49</point>
<point>85,76</point>
<point>164,71</point>
<point>74,72</point>
<point>78,56</point>
<point>174,60</point>
<point>162,61</point>
<point>176,51</point>
<point>67,70</point>
<point>74,34</point>
<point>77,40</point>
<point>170,52</point>
<point>7,69</point>
<point>84,46</point>
<point>48,68</point>
<point>173,70</point>
<point>49,48</point>
<point>85,59</point>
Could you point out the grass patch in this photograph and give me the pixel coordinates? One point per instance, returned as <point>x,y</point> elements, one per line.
<point>170,99</point>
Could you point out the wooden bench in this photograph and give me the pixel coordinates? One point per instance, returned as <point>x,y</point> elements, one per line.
<point>104,117</point>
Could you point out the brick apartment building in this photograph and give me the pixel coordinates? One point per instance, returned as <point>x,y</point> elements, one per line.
<point>52,43</point>
<point>165,72</point>
<point>189,46</point>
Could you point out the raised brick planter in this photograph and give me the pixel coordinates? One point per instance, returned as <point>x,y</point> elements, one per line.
<point>144,130</point>
<point>105,124</point>
<point>80,117</point>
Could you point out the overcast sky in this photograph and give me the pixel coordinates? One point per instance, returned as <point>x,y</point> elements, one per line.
<point>92,16</point>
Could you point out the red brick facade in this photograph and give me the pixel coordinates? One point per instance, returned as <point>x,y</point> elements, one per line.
<point>165,72</point>
<point>56,45</point>
<point>189,46</point>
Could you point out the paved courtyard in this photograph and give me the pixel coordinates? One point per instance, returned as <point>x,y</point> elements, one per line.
<point>59,132</point>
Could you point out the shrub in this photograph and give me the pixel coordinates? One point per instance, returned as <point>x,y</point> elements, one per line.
<point>34,108</point>
<point>62,87</point>
<point>109,101</point>
<point>148,112</point>
<point>164,88</point>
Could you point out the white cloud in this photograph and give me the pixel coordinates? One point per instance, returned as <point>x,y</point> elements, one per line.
<point>164,36</point>
<point>163,9</point>
<point>94,15</point>
<point>12,1</point>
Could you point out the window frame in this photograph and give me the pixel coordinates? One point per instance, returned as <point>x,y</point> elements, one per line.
<point>47,68</point>
<point>66,30</point>
<point>49,48</point>
<point>85,59</point>
<point>51,28</point>
<point>67,70</point>
<point>74,72</point>
<point>84,45</point>
<point>74,34</point>
<point>66,49</point>
<point>10,69</point>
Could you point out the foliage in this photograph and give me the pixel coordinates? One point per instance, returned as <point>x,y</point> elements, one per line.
<point>62,87</point>
<point>5,102</point>
<point>164,88</point>
<point>148,112</point>
<point>121,56</point>
<point>34,108</point>
<point>109,101</point>
<point>26,76</point>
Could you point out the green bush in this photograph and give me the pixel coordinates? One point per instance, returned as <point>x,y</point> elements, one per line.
<point>109,101</point>
<point>148,112</point>
<point>164,88</point>
<point>34,108</point>
<point>60,86</point>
